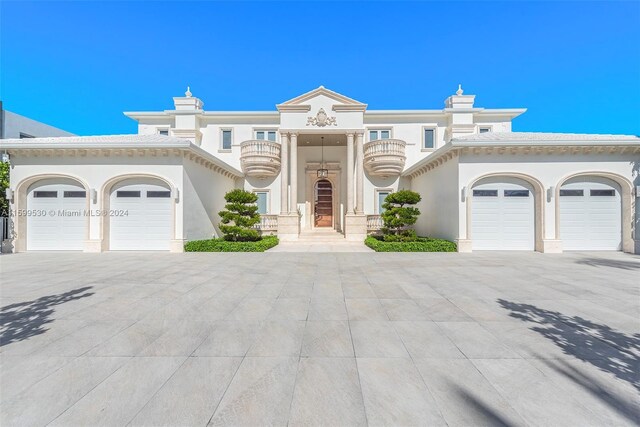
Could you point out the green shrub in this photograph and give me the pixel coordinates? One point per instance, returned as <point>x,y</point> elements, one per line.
<point>399,213</point>
<point>221,245</point>
<point>421,244</point>
<point>239,216</point>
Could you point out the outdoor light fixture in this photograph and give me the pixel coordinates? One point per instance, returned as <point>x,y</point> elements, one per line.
<point>550,191</point>
<point>322,172</point>
<point>463,193</point>
<point>94,195</point>
<point>175,195</point>
<point>5,157</point>
<point>9,194</point>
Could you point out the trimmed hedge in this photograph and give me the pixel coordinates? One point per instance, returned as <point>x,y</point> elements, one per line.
<point>422,244</point>
<point>221,245</point>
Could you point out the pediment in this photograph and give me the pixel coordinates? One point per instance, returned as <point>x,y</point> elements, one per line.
<point>339,102</point>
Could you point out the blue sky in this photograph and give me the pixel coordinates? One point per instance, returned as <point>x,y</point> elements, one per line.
<point>78,65</point>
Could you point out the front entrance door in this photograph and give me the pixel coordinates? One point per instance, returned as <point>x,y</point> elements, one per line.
<point>323,204</point>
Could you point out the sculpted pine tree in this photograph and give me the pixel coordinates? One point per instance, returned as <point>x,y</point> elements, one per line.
<point>399,214</point>
<point>239,216</point>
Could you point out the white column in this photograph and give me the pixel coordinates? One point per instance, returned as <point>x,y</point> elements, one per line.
<point>360,174</point>
<point>294,174</point>
<point>350,167</point>
<point>284,173</point>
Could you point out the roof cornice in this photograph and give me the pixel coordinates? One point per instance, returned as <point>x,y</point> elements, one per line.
<point>457,148</point>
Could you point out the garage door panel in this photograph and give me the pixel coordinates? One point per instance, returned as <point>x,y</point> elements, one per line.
<point>591,218</point>
<point>61,223</point>
<point>143,222</point>
<point>502,217</point>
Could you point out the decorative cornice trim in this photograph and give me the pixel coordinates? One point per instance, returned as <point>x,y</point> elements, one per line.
<point>349,107</point>
<point>298,108</point>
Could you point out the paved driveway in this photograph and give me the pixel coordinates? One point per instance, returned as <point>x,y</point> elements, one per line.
<point>332,339</point>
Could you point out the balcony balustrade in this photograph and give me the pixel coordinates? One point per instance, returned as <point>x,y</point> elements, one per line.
<point>374,223</point>
<point>268,224</point>
<point>384,157</point>
<point>260,158</point>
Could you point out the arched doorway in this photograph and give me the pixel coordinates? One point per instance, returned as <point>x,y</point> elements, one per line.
<point>323,203</point>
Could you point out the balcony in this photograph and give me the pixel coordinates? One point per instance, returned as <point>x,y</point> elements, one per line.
<point>260,158</point>
<point>384,157</point>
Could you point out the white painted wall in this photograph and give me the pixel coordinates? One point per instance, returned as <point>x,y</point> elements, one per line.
<point>439,189</point>
<point>203,197</point>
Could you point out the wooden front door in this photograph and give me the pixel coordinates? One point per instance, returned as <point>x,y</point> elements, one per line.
<point>323,204</point>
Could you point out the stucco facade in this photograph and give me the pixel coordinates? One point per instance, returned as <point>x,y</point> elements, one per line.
<point>323,160</point>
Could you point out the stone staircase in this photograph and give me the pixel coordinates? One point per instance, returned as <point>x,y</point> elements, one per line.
<point>320,240</point>
<point>328,235</point>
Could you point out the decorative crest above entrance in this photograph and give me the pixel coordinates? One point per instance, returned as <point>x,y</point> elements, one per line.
<point>321,119</point>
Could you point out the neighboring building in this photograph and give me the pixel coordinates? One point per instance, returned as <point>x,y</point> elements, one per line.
<point>324,161</point>
<point>14,125</point>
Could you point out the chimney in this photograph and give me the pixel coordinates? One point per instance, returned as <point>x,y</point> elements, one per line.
<point>459,110</point>
<point>187,114</point>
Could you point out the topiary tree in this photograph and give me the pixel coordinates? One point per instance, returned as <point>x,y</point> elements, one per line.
<point>399,213</point>
<point>239,216</point>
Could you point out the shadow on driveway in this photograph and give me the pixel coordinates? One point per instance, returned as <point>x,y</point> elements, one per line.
<point>609,350</point>
<point>23,320</point>
<point>615,263</point>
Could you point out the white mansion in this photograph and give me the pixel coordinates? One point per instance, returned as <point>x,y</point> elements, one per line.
<point>324,161</point>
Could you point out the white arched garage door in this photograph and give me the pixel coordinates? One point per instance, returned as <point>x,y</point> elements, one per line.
<point>502,215</point>
<point>590,214</point>
<point>56,220</point>
<point>140,215</point>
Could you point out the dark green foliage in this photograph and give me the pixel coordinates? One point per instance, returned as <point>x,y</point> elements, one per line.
<point>221,245</point>
<point>399,213</point>
<point>239,216</point>
<point>421,244</point>
<point>4,184</point>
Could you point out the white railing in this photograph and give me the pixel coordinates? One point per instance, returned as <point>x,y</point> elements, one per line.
<point>260,158</point>
<point>374,222</point>
<point>267,223</point>
<point>385,146</point>
<point>384,157</point>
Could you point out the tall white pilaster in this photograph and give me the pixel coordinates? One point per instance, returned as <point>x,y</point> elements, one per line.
<point>284,173</point>
<point>360,173</point>
<point>293,208</point>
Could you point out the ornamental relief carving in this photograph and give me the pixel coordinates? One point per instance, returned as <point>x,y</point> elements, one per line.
<point>321,119</point>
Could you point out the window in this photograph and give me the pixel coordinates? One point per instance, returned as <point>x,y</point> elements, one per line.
<point>158,194</point>
<point>485,129</point>
<point>164,132</point>
<point>571,193</point>
<point>516,193</point>
<point>485,193</point>
<point>379,134</point>
<point>75,194</point>
<point>25,135</point>
<point>123,193</point>
<point>45,194</point>
<point>429,139</point>
<point>269,135</point>
<point>382,195</point>
<point>262,202</point>
<point>226,139</point>
<point>602,193</point>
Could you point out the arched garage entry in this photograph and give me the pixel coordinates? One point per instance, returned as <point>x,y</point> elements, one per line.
<point>589,213</point>
<point>504,213</point>
<point>140,214</point>
<point>56,214</point>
